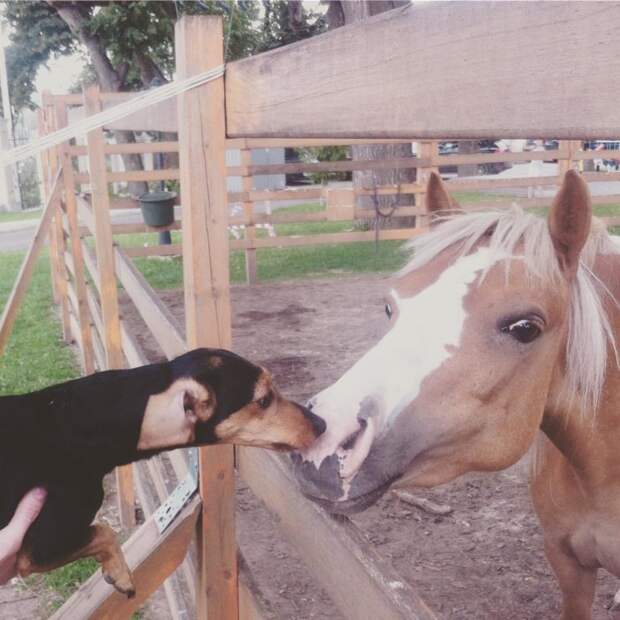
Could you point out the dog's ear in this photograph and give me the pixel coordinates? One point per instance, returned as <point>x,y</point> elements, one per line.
<point>199,408</point>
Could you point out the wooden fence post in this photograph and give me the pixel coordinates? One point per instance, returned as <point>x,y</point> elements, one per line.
<point>83,315</point>
<point>202,154</point>
<point>104,244</point>
<point>57,240</point>
<point>247,182</point>
<point>565,163</point>
<point>45,181</point>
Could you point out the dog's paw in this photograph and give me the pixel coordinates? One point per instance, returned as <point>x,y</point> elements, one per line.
<point>121,581</point>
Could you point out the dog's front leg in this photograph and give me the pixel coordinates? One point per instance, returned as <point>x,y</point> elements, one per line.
<point>103,546</point>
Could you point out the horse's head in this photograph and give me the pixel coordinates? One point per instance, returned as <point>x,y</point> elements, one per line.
<point>476,350</point>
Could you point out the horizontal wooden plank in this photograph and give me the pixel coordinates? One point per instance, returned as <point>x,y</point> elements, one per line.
<point>273,143</point>
<point>159,117</point>
<point>167,174</point>
<point>601,176</point>
<point>151,556</point>
<point>174,249</point>
<point>326,238</point>
<point>329,166</point>
<point>129,147</point>
<point>91,264</point>
<point>85,214</point>
<point>99,351</point>
<point>387,190</point>
<point>603,154</point>
<point>132,350</point>
<point>503,157</point>
<point>490,183</point>
<point>279,194</point>
<point>361,584</point>
<point>279,218</point>
<point>95,310</point>
<point>124,202</point>
<point>76,99</point>
<point>439,70</point>
<point>161,323</point>
<point>139,227</point>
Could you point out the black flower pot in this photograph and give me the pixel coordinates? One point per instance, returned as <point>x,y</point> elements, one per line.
<point>158,208</point>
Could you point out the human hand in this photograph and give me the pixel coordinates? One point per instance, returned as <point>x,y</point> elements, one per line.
<point>12,535</point>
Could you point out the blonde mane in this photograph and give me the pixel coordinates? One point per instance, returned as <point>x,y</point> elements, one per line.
<point>589,330</point>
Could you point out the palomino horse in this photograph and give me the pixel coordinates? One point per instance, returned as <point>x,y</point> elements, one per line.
<point>503,324</point>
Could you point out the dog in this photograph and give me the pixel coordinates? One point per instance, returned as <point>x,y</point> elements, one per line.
<point>66,437</point>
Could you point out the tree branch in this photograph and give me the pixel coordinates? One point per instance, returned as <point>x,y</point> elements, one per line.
<point>77,21</point>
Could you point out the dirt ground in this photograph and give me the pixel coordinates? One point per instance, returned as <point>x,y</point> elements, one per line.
<point>483,561</point>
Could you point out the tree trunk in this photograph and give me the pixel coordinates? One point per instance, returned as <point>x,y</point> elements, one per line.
<point>108,78</point>
<point>342,13</point>
<point>151,75</point>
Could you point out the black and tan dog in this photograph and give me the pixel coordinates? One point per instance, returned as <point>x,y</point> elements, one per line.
<point>66,437</point>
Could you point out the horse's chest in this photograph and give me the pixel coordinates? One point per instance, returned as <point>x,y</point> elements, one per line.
<point>596,543</point>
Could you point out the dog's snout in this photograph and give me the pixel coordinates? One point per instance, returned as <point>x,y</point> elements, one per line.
<point>318,424</point>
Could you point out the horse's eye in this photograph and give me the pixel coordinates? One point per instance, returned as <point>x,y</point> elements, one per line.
<point>388,311</point>
<point>523,330</point>
<point>265,401</point>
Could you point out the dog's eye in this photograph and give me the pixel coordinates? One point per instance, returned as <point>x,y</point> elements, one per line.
<point>523,330</point>
<point>265,401</point>
<point>388,311</point>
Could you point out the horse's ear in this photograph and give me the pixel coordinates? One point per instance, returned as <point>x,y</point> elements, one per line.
<point>569,221</point>
<point>437,197</point>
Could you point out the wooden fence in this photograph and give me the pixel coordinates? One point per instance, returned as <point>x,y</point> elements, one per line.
<point>341,203</point>
<point>207,581</point>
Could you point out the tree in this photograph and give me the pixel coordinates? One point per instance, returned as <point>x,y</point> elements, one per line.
<point>340,13</point>
<point>128,44</point>
<point>286,22</point>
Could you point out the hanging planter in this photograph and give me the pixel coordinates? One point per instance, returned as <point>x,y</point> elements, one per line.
<point>158,208</point>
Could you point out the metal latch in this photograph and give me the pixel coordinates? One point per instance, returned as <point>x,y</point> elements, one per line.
<point>179,497</point>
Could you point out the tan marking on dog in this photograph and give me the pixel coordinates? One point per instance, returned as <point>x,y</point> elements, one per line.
<point>103,546</point>
<point>281,426</point>
<point>166,422</point>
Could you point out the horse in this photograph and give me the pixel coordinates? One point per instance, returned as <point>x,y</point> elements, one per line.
<point>66,437</point>
<point>504,329</point>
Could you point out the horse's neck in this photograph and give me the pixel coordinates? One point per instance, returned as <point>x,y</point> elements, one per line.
<point>591,441</point>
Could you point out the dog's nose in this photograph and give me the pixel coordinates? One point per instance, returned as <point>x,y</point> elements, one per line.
<point>318,424</point>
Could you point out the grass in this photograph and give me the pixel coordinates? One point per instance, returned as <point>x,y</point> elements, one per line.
<point>18,216</point>
<point>36,355</point>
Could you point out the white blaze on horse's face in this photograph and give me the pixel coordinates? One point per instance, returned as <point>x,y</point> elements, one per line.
<point>366,400</point>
